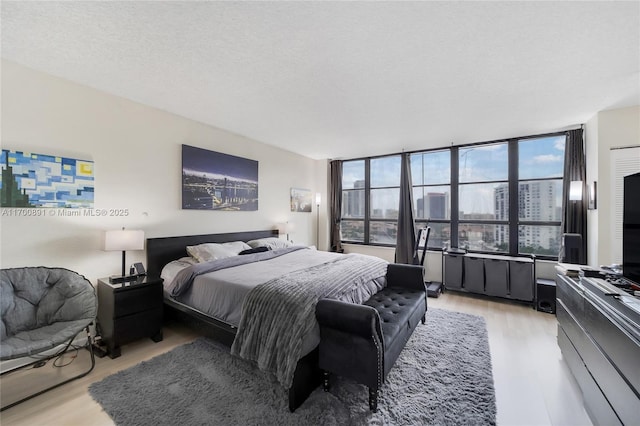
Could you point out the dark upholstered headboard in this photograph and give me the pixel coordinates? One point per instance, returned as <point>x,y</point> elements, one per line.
<point>161,251</point>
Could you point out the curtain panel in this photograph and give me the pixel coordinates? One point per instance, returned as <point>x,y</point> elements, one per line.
<point>335,206</point>
<point>406,238</point>
<point>574,213</point>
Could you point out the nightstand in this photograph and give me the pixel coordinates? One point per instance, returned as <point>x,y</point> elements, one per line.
<point>129,311</point>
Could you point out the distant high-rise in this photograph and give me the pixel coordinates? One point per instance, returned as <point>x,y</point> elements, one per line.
<point>501,199</point>
<point>434,205</point>
<point>536,203</point>
<point>353,201</point>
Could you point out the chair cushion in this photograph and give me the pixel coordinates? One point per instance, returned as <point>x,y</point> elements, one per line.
<point>42,308</point>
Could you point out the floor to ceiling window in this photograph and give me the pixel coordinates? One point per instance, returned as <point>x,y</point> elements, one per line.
<point>384,197</point>
<point>483,197</point>
<point>497,197</point>
<point>540,170</point>
<point>431,180</point>
<point>353,201</point>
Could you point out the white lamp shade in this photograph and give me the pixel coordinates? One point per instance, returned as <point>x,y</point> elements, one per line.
<point>123,240</point>
<point>284,228</point>
<point>318,198</point>
<point>575,190</point>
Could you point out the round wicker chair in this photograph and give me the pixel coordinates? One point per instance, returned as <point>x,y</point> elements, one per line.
<point>42,308</point>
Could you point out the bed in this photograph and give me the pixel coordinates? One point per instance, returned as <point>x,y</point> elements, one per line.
<point>233,299</point>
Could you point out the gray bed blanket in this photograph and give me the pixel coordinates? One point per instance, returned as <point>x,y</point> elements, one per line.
<point>183,280</point>
<point>278,315</point>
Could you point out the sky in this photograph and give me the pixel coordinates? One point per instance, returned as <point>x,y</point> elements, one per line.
<point>216,163</point>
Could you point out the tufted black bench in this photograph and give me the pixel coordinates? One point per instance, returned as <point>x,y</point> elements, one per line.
<point>362,342</point>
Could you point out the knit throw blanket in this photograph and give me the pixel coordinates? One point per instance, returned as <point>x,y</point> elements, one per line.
<point>278,315</point>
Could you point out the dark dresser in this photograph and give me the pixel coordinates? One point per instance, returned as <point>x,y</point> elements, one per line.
<point>599,336</point>
<point>129,311</point>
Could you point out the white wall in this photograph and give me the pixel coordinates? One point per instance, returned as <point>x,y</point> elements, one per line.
<point>608,129</point>
<point>591,154</point>
<point>137,155</point>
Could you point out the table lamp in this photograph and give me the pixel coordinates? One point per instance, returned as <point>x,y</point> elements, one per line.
<point>123,240</point>
<point>284,228</point>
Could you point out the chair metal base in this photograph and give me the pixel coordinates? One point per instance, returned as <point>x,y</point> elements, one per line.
<point>93,364</point>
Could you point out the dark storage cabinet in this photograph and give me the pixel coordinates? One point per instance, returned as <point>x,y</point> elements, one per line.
<point>497,277</point>
<point>521,279</point>
<point>599,336</point>
<point>129,311</point>
<point>473,274</point>
<point>453,271</point>
<point>492,275</point>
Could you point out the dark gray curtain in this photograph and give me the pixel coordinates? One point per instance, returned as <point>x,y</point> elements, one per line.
<point>574,213</point>
<point>406,239</point>
<point>335,206</point>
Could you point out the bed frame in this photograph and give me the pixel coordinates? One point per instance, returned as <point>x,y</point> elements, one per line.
<point>161,251</point>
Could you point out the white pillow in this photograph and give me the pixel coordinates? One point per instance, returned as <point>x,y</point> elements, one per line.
<point>210,251</point>
<point>271,243</point>
<point>236,246</point>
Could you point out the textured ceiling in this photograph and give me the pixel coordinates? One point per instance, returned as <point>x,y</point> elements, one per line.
<point>345,79</point>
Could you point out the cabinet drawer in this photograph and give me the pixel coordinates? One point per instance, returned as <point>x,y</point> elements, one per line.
<point>571,295</point>
<point>623,353</point>
<point>473,274</point>
<point>137,299</point>
<point>453,271</point>
<point>133,327</point>
<point>620,395</point>
<point>521,280</point>
<point>497,277</point>
<point>598,406</point>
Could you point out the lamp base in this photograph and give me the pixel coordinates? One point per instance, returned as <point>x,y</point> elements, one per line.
<point>114,279</point>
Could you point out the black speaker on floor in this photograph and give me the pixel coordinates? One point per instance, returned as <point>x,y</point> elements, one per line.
<point>546,296</point>
<point>571,249</point>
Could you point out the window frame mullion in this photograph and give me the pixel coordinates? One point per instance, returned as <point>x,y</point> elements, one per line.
<point>455,205</point>
<point>514,198</point>
<point>367,199</point>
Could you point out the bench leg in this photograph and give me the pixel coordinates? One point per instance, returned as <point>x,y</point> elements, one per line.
<point>373,400</point>
<point>424,319</point>
<point>325,381</point>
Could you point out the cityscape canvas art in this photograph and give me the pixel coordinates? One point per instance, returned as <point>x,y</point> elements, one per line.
<point>39,180</point>
<point>216,181</point>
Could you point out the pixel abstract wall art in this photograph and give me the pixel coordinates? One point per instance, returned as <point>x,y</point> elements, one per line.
<point>38,180</point>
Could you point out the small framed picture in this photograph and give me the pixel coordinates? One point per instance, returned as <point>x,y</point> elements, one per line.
<point>301,200</point>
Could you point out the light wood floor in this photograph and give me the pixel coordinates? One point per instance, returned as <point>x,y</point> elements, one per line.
<point>533,384</point>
